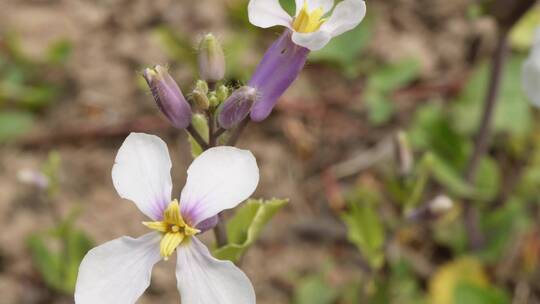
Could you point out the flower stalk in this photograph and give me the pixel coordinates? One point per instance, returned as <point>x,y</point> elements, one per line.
<point>476,237</point>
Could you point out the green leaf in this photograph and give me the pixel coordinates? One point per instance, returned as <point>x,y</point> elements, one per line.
<point>473,294</point>
<point>59,51</point>
<point>314,290</point>
<point>48,264</point>
<point>522,34</point>
<point>289,6</point>
<point>500,226</point>
<point>380,109</point>
<point>512,115</point>
<point>344,50</point>
<point>59,267</point>
<point>77,244</point>
<point>394,76</point>
<point>14,124</point>
<point>431,130</point>
<point>246,225</point>
<point>364,227</point>
<point>485,187</point>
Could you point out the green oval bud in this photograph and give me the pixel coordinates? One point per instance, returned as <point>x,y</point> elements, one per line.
<point>222,93</point>
<point>211,59</point>
<point>200,99</point>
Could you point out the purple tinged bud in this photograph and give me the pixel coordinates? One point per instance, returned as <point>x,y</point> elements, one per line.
<point>211,59</point>
<point>208,223</point>
<point>168,96</point>
<point>236,108</point>
<point>275,73</point>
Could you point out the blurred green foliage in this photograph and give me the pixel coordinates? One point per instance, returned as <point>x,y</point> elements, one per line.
<point>58,252</point>
<point>365,230</point>
<point>27,84</point>
<point>381,83</point>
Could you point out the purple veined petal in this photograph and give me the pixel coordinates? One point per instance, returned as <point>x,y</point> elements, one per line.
<point>218,179</point>
<point>203,279</point>
<point>142,173</point>
<point>118,271</point>
<point>275,73</point>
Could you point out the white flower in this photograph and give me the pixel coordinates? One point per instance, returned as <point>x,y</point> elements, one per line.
<point>311,29</point>
<point>531,72</point>
<point>119,271</point>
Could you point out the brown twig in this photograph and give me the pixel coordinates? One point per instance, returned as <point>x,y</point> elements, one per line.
<point>197,137</point>
<point>236,134</point>
<point>220,232</point>
<point>476,238</point>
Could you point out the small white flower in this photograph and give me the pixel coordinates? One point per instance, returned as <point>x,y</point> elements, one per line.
<point>119,271</point>
<point>531,72</point>
<point>311,28</point>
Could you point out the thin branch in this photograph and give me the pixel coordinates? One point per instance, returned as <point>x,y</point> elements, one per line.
<point>236,134</point>
<point>197,137</point>
<point>220,232</point>
<point>476,238</point>
<point>219,132</point>
<point>211,126</point>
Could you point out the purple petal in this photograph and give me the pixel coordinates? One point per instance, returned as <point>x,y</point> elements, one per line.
<point>275,73</point>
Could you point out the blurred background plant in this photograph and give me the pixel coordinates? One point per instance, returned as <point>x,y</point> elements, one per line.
<point>27,84</point>
<point>371,145</point>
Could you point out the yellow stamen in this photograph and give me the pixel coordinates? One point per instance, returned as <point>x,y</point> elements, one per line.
<point>308,22</point>
<point>175,230</point>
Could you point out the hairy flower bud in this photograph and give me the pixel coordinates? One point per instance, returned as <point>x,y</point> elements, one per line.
<point>200,99</point>
<point>222,93</point>
<point>168,96</point>
<point>237,107</point>
<point>275,73</point>
<point>211,59</point>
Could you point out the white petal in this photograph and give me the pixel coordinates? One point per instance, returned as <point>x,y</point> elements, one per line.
<point>220,178</point>
<point>202,279</point>
<point>346,16</point>
<point>118,271</point>
<point>531,77</point>
<point>313,41</point>
<point>326,5</point>
<point>267,13</point>
<point>142,173</point>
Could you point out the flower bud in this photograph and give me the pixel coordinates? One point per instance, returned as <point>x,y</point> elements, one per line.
<point>201,86</point>
<point>200,99</point>
<point>222,93</point>
<point>237,107</point>
<point>211,59</point>
<point>440,204</point>
<point>168,96</point>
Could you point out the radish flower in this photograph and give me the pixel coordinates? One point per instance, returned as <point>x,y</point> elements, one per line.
<point>531,72</point>
<point>220,178</point>
<point>313,25</point>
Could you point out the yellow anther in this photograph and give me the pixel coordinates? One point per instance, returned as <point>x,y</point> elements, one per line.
<point>308,22</point>
<point>174,229</point>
